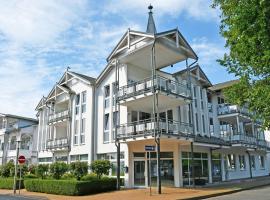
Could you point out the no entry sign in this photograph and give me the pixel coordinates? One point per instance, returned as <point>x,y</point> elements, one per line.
<point>21,159</point>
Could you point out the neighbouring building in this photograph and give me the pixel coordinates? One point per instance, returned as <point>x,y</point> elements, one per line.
<point>135,103</point>
<point>18,130</point>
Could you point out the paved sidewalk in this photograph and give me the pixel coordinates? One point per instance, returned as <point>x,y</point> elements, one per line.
<point>167,193</point>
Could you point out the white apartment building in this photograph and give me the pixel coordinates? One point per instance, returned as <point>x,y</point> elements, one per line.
<point>134,103</point>
<point>66,120</point>
<point>17,130</point>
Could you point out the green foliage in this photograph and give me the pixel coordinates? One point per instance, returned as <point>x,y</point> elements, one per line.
<point>246,27</point>
<point>89,177</point>
<point>68,176</point>
<point>57,169</point>
<point>30,176</point>
<point>23,168</point>
<point>6,170</point>
<point>71,187</point>
<point>42,170</point>
<point>7,183</point>
<point>32,169</point>
<point>79,169</point>
<point>101,167</point>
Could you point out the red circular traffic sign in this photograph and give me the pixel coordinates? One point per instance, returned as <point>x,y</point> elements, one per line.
<point>21,159</point>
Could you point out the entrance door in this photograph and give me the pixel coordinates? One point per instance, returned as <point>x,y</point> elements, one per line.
<point>139,169</point>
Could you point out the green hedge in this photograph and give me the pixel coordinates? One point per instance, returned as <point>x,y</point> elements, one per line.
<point>71,187</point>
<point>7,183</point>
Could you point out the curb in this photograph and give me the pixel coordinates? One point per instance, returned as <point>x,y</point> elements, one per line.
<point>226,193</point>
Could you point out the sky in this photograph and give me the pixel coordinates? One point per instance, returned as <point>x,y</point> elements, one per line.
<point>40,39</point>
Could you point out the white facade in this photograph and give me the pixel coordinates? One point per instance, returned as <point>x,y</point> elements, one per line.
<point>66,120</point>
<point>16,128</point>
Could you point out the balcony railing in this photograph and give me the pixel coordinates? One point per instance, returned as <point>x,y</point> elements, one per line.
<point>57,143</point>
<point>148,126</point>
<point>224,109</point>
<point>160,83</point>
<point>58,116</point>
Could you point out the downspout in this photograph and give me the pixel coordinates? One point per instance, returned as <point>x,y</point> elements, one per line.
<point>93,124</point>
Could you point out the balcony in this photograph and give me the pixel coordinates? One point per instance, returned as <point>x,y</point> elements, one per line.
<point>172,93</point>
<point>60,116</point>
<point>225,109</point>
<point>147,127</point>
<point>57,143</point>
<point>246,141</point>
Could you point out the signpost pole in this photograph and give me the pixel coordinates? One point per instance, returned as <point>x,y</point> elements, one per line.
<point>150,179</point>
<point>20,179</point>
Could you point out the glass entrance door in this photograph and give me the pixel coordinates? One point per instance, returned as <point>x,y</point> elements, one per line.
<point>139,169</point>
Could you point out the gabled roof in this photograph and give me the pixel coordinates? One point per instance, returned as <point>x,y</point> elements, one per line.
<point>83,76</point>
<point>223,85</point>
<point>193,69</point>
<point>18,117</point>
<point>41,103</point>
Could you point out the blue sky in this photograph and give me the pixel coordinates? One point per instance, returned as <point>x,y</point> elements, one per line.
<point>39,39</point>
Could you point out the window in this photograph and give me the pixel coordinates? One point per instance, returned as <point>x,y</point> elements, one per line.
<point>252,162</point>
<point>76,132</point>
<point>201,93</point>
<point>115,119</point>
<point>242,163</point>
<point>211,128</point>
<point>197,122</point>
<point>202,105</point>
<point>203,123</point>
<point>77,104</point>
<point>134,116</point>
<point>261,161</point>
<point>106,128</point>
<point>195,96</point>
<point>107,91</point>
<point>82,131</point>
<point>84,102</point>
<point>221,100</point>
<point>231,161</point>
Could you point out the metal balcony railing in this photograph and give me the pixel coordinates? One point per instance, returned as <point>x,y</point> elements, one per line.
<point>59,116</point>
<point>244,139</point>
<point>147,127</point>
<point>57,143</point>
<point>224,109</point>
<point>160,83</point>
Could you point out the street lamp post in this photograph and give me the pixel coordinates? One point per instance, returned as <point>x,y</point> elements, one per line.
<point>16,165</point>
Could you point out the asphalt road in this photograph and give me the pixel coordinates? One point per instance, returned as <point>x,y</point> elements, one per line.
<point>254,194</point>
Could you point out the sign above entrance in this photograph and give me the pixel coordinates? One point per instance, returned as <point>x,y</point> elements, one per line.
<point>149,148</point>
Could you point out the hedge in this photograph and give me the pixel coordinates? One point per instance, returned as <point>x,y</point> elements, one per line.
<point>71,187</point>
<point>7,183</point>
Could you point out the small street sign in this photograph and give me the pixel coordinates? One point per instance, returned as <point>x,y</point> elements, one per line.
<point>21,159</point>
<point>150,148</point>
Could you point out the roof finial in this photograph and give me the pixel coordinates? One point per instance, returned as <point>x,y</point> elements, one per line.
<point>151,27</point>
<point>67,68</point>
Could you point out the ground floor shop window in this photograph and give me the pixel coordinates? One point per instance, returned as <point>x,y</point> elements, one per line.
<point>231,162</point>
<point>200,163</point>
<point>242,163</point>
<point>147,165</point>
<point>261,162</point>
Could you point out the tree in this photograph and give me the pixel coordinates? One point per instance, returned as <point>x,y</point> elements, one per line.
<point>57,169</point>
<point>101,167</point>
<point>245,25</point>
<point>79,169</point>
<point>42,170</point>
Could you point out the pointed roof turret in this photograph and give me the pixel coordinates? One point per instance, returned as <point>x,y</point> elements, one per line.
<point>151,27</point>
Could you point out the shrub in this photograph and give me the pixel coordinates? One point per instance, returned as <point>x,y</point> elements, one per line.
<point>79,169</point>
<point>101,167</point>
<point>71,187</point>
<point>6,170</point>
<point>42,170</point>
<point>29,176</point>
<point>68,176</point>
<point>32,169</point>
<point>89,177</point>
<point>57,169</point>
<point>7,183</point>
<point>23,167</point>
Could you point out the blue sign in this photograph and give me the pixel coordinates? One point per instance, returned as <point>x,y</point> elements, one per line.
<point>149,148</point>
